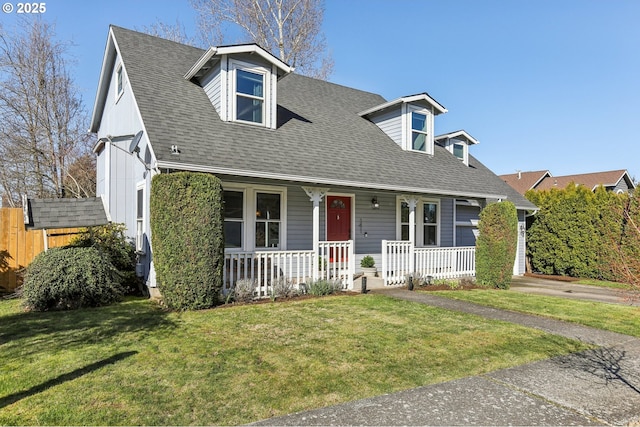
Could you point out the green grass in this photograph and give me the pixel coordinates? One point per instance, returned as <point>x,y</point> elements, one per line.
<point>603,284</point>
<point>135,364</point>
<point>611,317</point>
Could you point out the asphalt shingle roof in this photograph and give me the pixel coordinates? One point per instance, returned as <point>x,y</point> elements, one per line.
<point>320,137</point>
<point>66,213</point>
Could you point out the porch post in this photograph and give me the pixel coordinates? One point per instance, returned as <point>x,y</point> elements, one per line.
<point>412,202</point>
<point>315,195</point>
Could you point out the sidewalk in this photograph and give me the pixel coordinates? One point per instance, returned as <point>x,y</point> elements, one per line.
<point>595,387</point>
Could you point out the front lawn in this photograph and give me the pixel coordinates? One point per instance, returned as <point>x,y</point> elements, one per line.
<point>611,317</point>
<point>135,364</point>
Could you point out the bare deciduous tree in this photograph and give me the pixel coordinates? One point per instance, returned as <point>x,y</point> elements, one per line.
<point>42,120</point>
<point>174,32</point>
<point>290,29</point>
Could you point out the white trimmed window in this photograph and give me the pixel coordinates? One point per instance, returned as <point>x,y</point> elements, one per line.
<point>140,218</point>
<point>250,94</point>
<point>427,222</point>
<point>233,219</point>
<point>419,131</point>
<point>254,217</point>
<point>119,81</point>
<point>268,208</point>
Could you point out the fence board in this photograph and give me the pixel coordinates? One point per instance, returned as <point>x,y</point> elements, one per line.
<point>18,247</point>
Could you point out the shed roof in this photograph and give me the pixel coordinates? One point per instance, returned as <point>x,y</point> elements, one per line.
<point>64,213</point>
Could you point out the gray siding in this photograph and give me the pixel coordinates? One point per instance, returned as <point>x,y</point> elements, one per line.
<point>622,186</point>
<point>373,225</point>
<point>211,83</point>
<point>390,122</point>
<point>299,219</point>
<point>446,222</point>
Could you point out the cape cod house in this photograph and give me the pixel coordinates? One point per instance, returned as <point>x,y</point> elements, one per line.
<point>315,175</point>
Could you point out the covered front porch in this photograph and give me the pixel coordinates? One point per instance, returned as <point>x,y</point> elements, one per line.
<point>352,224</point>
<point>336,261</point>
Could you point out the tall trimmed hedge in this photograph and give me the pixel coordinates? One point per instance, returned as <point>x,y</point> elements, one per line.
<point>187,236</point>
<point>575,232</point>
<point>496,245</point>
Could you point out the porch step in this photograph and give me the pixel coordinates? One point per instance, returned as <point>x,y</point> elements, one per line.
<point>372,283</point>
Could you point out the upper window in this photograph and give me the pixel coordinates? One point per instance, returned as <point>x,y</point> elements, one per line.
<point>249,96</point>
<point>119,81</point>
<point>458,150</point>
<point>419,129</point>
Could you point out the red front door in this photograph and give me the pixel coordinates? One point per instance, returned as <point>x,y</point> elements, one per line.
<point>338,218</point>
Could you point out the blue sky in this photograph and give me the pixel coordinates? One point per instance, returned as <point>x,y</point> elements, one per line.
<point>546,84</point>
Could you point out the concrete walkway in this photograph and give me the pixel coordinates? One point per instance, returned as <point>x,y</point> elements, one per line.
<point>595,387</point>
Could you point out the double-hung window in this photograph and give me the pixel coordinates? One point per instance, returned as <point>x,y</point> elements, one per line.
<point>140,218</point>
<point>250,98</point>
<point>233,219</point>
<point>267,220</point>
<point>427,223</point>
<point>430,224</point>
<point>419,131</point>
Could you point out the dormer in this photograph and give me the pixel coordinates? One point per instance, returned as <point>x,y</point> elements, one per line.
<point>241,82</point>
<point>408,121</point>
<point>457,143</point>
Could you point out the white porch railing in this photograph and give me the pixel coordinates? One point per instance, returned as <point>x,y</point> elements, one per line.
<point>400,258</point>
<point>335,261</point>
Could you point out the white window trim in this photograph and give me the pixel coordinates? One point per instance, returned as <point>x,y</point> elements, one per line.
<point>266,81</point>
<point>419,221</point>
<point>119,91</point>
<point>352,196</point>
<point>450,145</point>
<point>139,238</point>
<point>408,128</point>
<point>249,215</point>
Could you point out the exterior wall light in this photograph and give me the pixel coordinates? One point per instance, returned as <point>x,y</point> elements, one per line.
<point>374,203</point>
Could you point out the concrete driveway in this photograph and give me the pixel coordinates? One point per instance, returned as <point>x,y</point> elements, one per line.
<point>556,288</point>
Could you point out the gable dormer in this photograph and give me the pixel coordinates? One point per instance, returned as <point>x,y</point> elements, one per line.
<point>408,121</point>
<point>457,143</point>
<point>241,82</point>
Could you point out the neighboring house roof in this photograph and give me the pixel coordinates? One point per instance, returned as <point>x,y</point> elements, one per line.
<point>525,181</point>
<point>64,213</point>
<point>320,138</point>
<point>608,179</point>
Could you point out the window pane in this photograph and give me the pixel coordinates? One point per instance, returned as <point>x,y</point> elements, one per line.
<point>274,235</point>
<point>140,201</point>
<point>418,141</point>
<point>249,110</point>
<point>419,122</point>
<point>261,235</point>
<point>404,212</point>
<point>232,234</point>
<point>430,235</point>
<point>233,204</point>
<point>249,83</point>
<point>267,206</point>
<point>430,213</point>
<point>404,232</point>
<point>458,151</point>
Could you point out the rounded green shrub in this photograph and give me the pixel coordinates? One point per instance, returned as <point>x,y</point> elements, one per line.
<point>496,245</point>
<point>70,278</point>
<point>111,241</point>
<point>187,237</point>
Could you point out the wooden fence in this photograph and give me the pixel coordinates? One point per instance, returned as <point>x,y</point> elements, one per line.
<point>18,247</point>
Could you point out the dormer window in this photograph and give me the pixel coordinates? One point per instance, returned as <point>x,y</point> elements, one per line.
<point>241,82</point>
<point>419,131</point>
<point>457,143</point>
<point>249,96</point>
<point>459,150</point>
